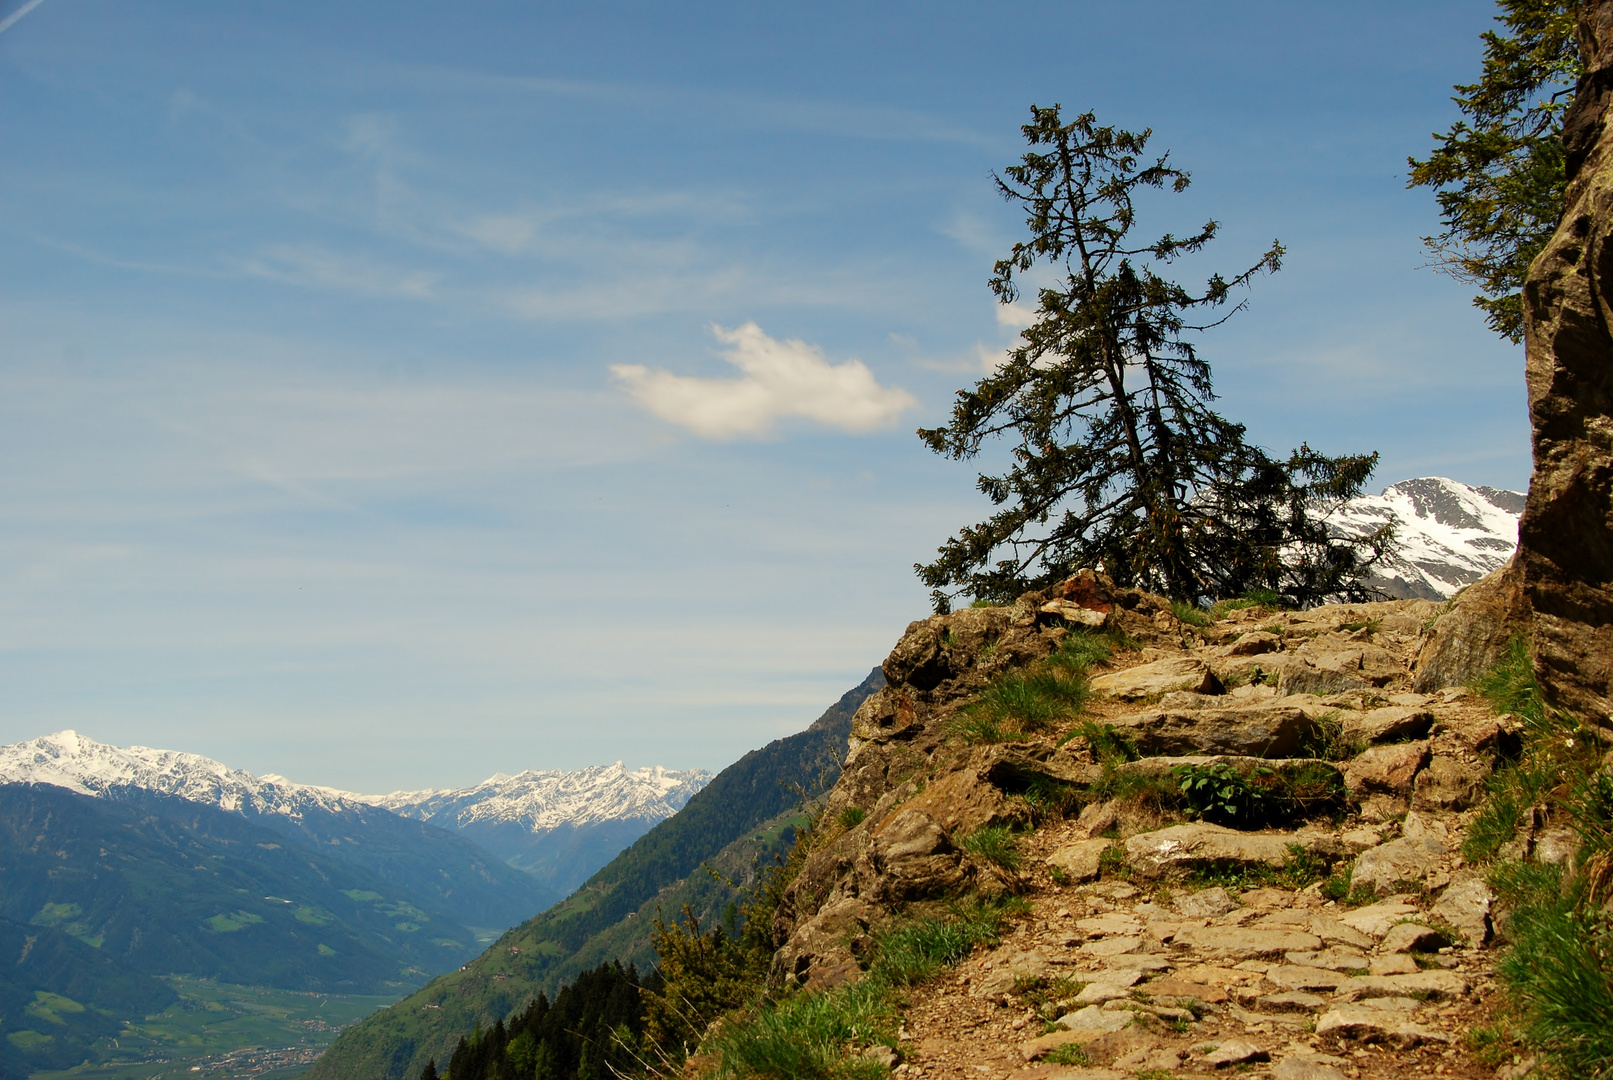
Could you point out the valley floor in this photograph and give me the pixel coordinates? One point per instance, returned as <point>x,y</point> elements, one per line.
<point>220,1031</point>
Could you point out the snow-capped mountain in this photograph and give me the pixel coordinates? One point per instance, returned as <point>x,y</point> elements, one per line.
<point>547,799</point>
<point>69,760</point>
<point>558,826</point>
<point>1449,534</point>
<point>433,868</point>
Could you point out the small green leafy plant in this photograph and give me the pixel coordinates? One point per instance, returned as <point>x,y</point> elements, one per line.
<point>1219,793</point>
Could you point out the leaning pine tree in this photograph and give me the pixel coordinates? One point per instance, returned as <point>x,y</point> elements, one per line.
<point>1119,462</point>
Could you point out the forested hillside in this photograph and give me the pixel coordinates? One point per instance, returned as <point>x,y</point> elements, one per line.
<point>748,799</point>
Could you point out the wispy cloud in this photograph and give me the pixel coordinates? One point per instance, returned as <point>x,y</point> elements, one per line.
<point>779,380</point>
<point>318,267</point>
<point>11,20</point>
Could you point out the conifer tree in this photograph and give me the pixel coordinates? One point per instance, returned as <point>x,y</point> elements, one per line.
<point>1118,460</point>
<point>1500,173</point>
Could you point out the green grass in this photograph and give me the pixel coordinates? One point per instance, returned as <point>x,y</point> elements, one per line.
<point>1559,966</point>
<point>1191,614</point>
<point>211,1019</point>
<point>995,845</point>
<point>819,1035</point>
<point>852,816</point>
<point>1299,870</point>
<point>1068,1054</point>
<point>1034,699</point>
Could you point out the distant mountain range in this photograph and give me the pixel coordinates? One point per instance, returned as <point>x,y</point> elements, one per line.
<point>119,865</point>
<point>743,819</point>
<point>558,826</point>
<point>1449,534</point>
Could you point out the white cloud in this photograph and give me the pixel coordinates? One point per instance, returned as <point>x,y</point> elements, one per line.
<point>778,379</point>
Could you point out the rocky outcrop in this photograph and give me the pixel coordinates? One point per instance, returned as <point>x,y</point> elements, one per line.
<point>1559,587</point>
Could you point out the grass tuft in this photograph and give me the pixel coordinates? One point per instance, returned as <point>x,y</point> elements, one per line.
<point>995,845</point>
<point>818,1035</point>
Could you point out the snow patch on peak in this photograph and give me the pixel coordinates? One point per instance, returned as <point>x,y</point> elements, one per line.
<point>1449,534</point>
<point>69,760</point>
<point>543,800</point>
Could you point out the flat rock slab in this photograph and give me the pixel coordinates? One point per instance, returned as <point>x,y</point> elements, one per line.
<point>1299,1068</point>
<point>1375,1025</point>
<point>1079,861</point>
<point>1112,946</point>
<point>1206,903</point>
<point>1291,1001</point>
<point>1334,959</point>
<point>1183,847</point>
<point>1248,942</point>
<point>1301,977</point>
<point>1420,985</point>
<point>1397,964</point>
<point>1113,922</point>
<point>1093,1020</point>
<point>1263,731</point>
<point>1160,677</point>
<point>1377,919</point>
<point>1181,990</point>
<point>1334,932</point>
<point>1235,1052</point>
<point>1135,962</point>
<point>1412,937</point>
<point>1407,859</point>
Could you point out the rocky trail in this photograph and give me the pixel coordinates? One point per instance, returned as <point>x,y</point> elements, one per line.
<point>1154,943</point>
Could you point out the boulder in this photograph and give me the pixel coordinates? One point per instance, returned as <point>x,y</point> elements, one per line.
<point>1182,847</point>
<point>1472,636</point>
<point>1264,731</point>
<point>1408,937</point>
<point>1074,613</point>
<point>1079,861</point>
<point>1407,859</point>
<point>1159,677</point>
<point>1447,784</point>
<point>1332,663</point>
<point>911,858</point>
<point>1392,723</point>
<point>1254,643</point>
<point>1388,770</point>
<point>1465,905</point>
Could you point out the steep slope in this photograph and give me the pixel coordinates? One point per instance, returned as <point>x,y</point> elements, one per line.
<point>750,798</point>
<point>58,995</point>
<point>558,826</point>
<point>1449,534</point>
<point>166,886</point>
<point>423,865</point>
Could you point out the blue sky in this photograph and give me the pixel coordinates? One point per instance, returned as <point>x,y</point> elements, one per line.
<point>395,393</point>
